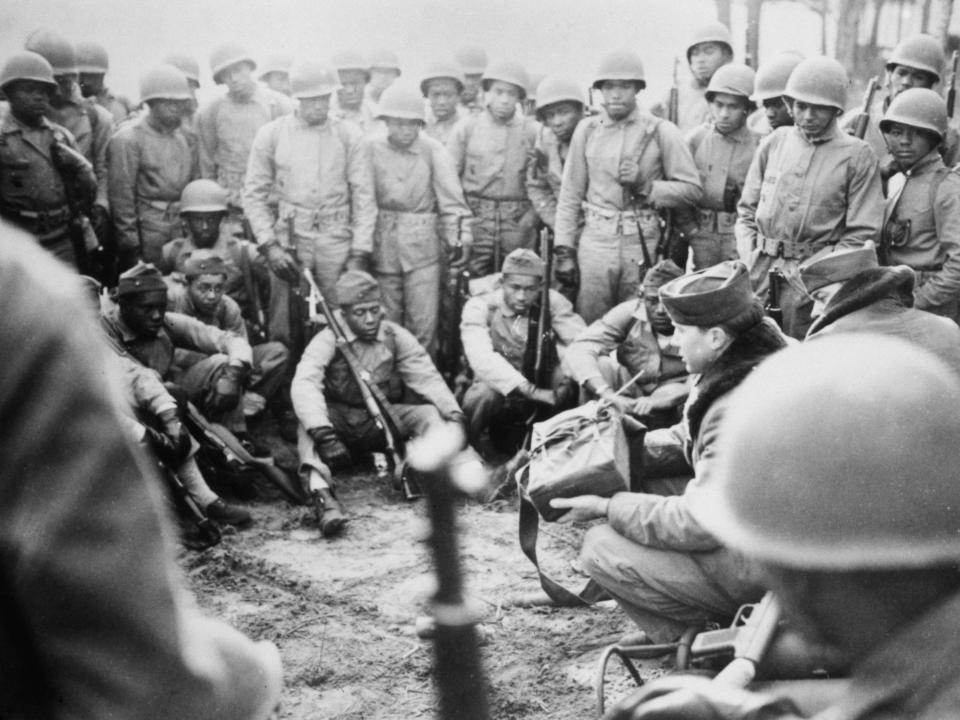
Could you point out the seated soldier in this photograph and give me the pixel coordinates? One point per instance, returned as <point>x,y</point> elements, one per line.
<point>203,298</point>
<point>141,325</point>
<point>494,329</point>
<point>334,421</point>
<point>633,337</point>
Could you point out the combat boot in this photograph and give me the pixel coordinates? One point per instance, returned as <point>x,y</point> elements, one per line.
<point>330,515</point>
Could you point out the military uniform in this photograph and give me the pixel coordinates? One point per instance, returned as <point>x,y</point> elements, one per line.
<point>149,167</point>
<point>545,174</point>
<point>608,251</point>
<point>441,130</point>
<point>693,109</point>
<point>91,127</point>
<point>117,105</point>
<point>364,117</point>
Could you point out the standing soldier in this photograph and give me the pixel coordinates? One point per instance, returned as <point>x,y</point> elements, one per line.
<point>623,165</point>
<point>769,86</point>
<point>151,161</point>
<point>809,186</point>
<point>722,151</point>
<point>229,123</point>
<point>473,64</point>
<point>315,166</point>
<point>275,73</point>
<point>418,194</point>
<point>92,65</point>
<point>352,103</point>
<point>491,151</point>
<point>40,167</point>
<point>190,122</point>
<point>709,49</point>
<point>384,71</point>
<point>441,86</point>
<point>921,225</point>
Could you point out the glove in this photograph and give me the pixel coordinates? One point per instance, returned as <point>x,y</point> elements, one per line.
<point>227,390</point>
<point>731,196</point>
<point>565,268</point>
<point>100,219</point>
<point>331,450</point>
<point>172,450</point>
<point>358,261</point>
<point>281,263</point>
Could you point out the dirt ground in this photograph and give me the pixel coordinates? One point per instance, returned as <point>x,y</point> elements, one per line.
<point>342,611</point>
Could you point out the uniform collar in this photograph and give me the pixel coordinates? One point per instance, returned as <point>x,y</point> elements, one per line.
<point>931,159</point>
<point>114,318</point>
<point>832,133</point>
<point>738,136</point>
<point>348,333</point>
<point>12,125</point>
<point>414,148</point>
<point>630,119</point>
<point>514,121</point>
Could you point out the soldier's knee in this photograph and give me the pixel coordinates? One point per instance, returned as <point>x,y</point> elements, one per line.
<point>598,550</point>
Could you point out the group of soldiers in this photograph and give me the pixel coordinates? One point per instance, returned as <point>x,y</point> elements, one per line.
<point>655,246</point>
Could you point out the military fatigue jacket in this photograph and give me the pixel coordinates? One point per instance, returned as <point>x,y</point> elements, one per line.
<point>395,360</point>
<point>692,106</point>
<point>364,117</point>
<point>91,127</point>
<point>545,173</point>
<point>495,337</point>
<point>230,249</point>
<point>226,317</point>
<point>591,171</point>
<point>441,130</point>
<point>721,160</point>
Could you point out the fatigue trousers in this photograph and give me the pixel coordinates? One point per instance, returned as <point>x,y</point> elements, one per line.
<point>198,379</point>
<point>358,431</point>
<point>412,300</point>
<point>497,231</point>
<point>609,271</point>
<point>662,591</point>
<point>269,368</point>
<point>710,248</point>
<point>159,224</point>
<point>795,303</point>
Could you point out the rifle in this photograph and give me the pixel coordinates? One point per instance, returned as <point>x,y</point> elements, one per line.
<point>952,91</point>
<point>258,321</point>
<point>298,336</point>
<point>863,120</point>
<point>669,224</point>
<point>540,354</point>
<point>79,222</point>
<point>775,277</point>
<point>375,401</point>
<point>207,530</point>
<point>237,456</point>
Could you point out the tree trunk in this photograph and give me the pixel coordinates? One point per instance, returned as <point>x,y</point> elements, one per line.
<point>753,33</point>
<point>849,17</point>
<point>939,23</point>
<point>925,16</point>
<point>723,11</point>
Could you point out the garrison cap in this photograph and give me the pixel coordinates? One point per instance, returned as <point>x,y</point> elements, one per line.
<point>832,264</point>
<point>523,262</point>
<point>709,297</point>
<point>141,279</point>
<point>662,273</point>
<point>204,262</point>
<point>355,287</point>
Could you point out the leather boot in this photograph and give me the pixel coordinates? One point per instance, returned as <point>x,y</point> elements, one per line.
<point>330,515</point>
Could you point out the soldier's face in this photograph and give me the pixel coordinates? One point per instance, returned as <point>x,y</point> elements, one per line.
<point>29,100</point>
<point>619,97</point>
<point>206,292</point>
<point>352,83</point>
<point>381,78</point>
<point>204,227</point>
<point>471,87</point>
<point>777,112</point>
<point>502,98</point>
<point>278,81</point>
<point>402,132</point>
<point>813,120</point>
<point>656,312</point>
<point>364,319</point>
<point>909,145</point>
<point>699,347</point>
<point>91,84</point>
<point>65,84</point>
<point>168,113</point>
<point>144,313</point>
<point>705,58</point>
<point>238,78</point>
<point>443,95</point>
<point>903,78</point>
<point>562,118</point>
<point>314,110</point>
<point>822,296</point>
<point>729,112</point>
<point>520,292</point>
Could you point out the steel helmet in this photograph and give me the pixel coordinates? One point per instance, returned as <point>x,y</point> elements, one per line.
<point>58,51</point>
<point>442,69</point>
<point>621,65</point>
<point>555,89</point>
<point>732,79</point>
<point>223,56</point>
<point>509,72</point>
<point>402,100</point>
<point>164,82</point>
<point>384,60</point>
<point>818,81</point>
<point>201,196</point>
<point>772,76</point>
<point>472,59</point>
<point>920,108</point>
<point>186,64</point>
<point>275,63</point>
<point>714,32</point>
<point>840,454</point>
<point>92,57</point>
<point>921,52</point>
<point>351,60</point>
<point>27,65</point>
<point>312,78</point>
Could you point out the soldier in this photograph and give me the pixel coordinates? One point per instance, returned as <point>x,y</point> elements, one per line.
<point>491,151</point>
<point>92,65</point>
<point>494,330</point>
<point>151,162</point>
<point>333,418</point>
<point>921,219</point>
<point>352,103</point>
<point>710,48</point>
<point>90,124</point>
<point>384,71</point>
<point>275,73</point>
<point>856,559</point>
<point>418,194</point>
<point>769,86</point>
<point>41,171</point>
<point>441,86</point>
<point>316,167</point>
<point>623,166</point>
<point>658,561</point>
<point>722,151</point>
<point>229,123</point>
<point>473,64</point>
<point>809,186</point>
<point>188,65</point>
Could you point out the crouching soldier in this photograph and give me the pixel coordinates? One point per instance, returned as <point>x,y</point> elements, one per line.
<point>334,421</point>
<point>494,329</point>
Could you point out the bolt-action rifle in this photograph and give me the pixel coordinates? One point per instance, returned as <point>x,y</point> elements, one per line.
<point>668,233</point>
<point>952,87</point>
<point>79,209</point>
<point>258,321</point>
<point>863,119</point>
<point>773,308</point>
<point>540,354</point>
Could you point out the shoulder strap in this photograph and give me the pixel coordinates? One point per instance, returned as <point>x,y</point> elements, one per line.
<point>93,116</point>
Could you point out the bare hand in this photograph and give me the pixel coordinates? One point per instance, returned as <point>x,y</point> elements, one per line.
<point>629,172</point>
<point>583,508</point>
<point>544,397</point>
<point>282,264</point>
